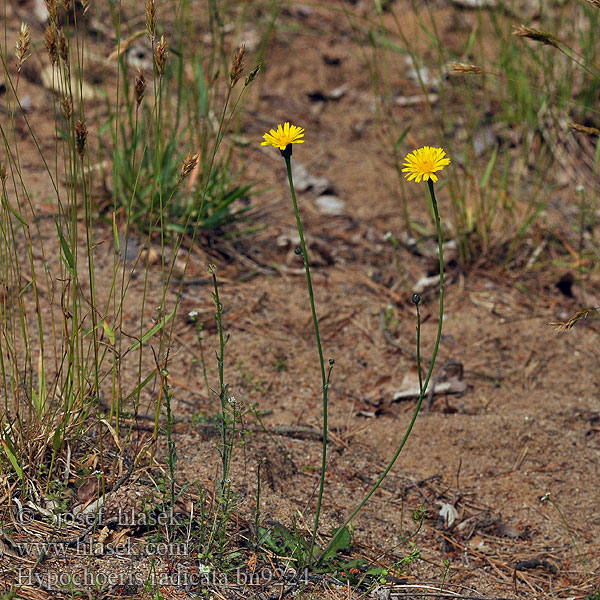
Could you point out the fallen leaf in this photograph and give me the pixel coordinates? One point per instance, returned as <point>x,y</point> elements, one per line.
<point>88,490</point>
<point>504,530</point>
<point>448,514</point>
<point>252,561</point>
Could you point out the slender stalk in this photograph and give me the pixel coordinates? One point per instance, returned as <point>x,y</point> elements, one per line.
<point>287,153</point>
<point>547,498</point>
<point>171,449</point>
<point>199,328</point>
<point>225,440</point>
<point>416,300</point>
<point>423,386</point>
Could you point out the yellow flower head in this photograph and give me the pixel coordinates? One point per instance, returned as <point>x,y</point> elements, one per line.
<point>284,136</point>
<point>423,163</point>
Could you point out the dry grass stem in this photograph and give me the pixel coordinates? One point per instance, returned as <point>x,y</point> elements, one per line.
<point>561,326</point>
<point>464,69</point>
<point>584,129</point>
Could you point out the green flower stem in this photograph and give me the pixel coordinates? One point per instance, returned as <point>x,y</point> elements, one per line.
<point>223,390</point>
<point>423,387</point>
<point>417,299</point>
<point>287,153</point>
<point>548,498</point>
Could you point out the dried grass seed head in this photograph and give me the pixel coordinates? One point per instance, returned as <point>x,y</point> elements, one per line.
<point>67,107</point>
<point>3,173</point>
<point>63,48</point>
<point>52,8</point>
<point>189,162</point>
<point>51,42</point>
<point>140,88</point>
<point>151,19</point>
<point>543,37</point>
<point>237,65</point>
<point>81,134</point>
<point>160,55</point>
<point>23,45</point>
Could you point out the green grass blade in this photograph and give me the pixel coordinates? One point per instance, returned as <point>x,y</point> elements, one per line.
<point>66,251</point>
<point>489,168</point>
<point>9,450</point>
<point>152,331</point>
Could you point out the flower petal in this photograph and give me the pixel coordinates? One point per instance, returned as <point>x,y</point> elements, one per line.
<point>422,163</point>
<point>283,136</point>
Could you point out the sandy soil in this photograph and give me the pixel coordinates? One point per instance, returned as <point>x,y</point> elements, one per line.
<point>528,420</point>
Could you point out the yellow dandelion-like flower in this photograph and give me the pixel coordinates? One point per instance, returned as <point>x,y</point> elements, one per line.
<point>284,136</point>
<point>423,163</point>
